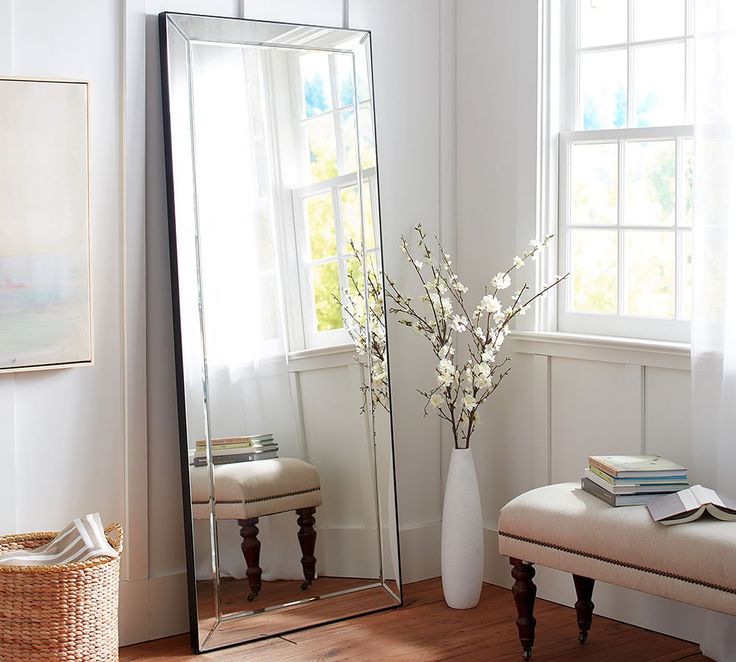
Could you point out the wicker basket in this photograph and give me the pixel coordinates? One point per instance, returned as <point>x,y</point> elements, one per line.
<point>59,612</point>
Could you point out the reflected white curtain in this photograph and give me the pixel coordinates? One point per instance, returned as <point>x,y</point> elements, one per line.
<point>714,268</point>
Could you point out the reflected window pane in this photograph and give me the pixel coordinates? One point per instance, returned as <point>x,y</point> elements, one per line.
<point>686,276</point>
<point>361,73</point>
<point>315,74</point>
<point>602,22</point>
<point>649,273</point>
<point>658,19</point>
<point>322,148</point>
<point>344,79</point>
<point>688,155</point>
<point>594,271</point>
<point>659,85</point>
<point>593,183</point>
<point>367,137</point>
<point>649,189</point>
<point>603,90</point>
<point>349,143</point>
<point>350,208</point>
<point>321,226</point>
<point>326,288</point>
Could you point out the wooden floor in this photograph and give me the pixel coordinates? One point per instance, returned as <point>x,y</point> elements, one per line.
<point>425,629</point>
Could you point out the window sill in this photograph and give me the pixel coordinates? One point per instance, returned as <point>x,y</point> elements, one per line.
<point>609,349</point>
<point>322,357</point>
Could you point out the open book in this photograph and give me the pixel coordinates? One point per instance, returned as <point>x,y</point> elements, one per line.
<point>690,504</point>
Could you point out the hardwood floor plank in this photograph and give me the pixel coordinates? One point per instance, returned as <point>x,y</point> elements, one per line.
<point>426,629</point>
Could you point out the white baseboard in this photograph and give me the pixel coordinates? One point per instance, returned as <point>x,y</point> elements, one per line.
<point>621,604</point>
<point>153,608</point>
<point>420,552</point>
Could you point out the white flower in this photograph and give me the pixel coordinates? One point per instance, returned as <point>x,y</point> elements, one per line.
<point>501,281</point>
<point>499,317</point>
<point>446,350</point>
<point>469,402</point>
<point>523,309</point>
<point>489,304</point>
<point>418,264</point>
<point>535,244</point>
<point>445,366</point>
<point>436,400</point>
<point>518,262</point>
<point>488,357</point>
<point>482,369</point>
<point>445,379</point>
<point>480,333</point>
<point>459,323</point>
<point>460,287</point>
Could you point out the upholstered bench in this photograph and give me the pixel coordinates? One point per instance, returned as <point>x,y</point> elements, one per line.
<point>245,491</point>
<point>563,527</point>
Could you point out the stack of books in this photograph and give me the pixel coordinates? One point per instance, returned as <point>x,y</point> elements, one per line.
<point>632,480</point>
<point>226,450</point>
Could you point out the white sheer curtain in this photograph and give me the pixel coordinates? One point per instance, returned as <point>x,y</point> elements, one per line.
<point>714,268</point>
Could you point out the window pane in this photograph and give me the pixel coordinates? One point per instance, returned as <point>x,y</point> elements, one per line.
<point>649,188</point>
<point>649,273</point>
<point>344,76</point>
<point>315,72</point>
<point>269,305</point>
<point>594,271</point>
<point>593,183</point>
<point>602,22</point>
<point>687,185</point>
<point>659,85</point>
<point>603,90</point>
<point>657,19</point>
<point>350,208</point>
<point>367,143</point>
<point>321,226</point>
<point>326,288</point>
<point>322,148</point>
<point>686,276</point>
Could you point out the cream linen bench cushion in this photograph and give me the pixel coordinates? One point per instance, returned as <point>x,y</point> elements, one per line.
<point>563,527</point>
<point>246,490</point>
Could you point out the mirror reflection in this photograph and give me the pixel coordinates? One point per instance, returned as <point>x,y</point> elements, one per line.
<point>281,336</point>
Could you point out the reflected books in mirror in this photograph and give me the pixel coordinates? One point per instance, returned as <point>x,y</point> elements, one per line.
<point>227,450</point>
<point>691,504</point>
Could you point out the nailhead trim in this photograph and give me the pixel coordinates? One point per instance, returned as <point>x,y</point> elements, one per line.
<point>623,564</point>
<point>268,498</point>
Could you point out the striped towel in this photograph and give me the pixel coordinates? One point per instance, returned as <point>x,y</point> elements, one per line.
<point>82,540</point>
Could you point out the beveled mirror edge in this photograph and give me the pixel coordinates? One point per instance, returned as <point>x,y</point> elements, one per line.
<point>397,595</point>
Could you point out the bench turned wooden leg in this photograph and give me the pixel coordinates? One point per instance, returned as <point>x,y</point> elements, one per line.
<point>307,539</point>
<point>524,592</point>
<point>584,606</point>
<point>251,547</point>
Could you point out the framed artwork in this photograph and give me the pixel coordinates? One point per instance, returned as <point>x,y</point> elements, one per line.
<point>45,284</point>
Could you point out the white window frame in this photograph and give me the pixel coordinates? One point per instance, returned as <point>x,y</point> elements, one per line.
<point>617,324</point>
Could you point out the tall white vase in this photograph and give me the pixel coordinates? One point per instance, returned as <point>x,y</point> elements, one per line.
<point>462,533</point>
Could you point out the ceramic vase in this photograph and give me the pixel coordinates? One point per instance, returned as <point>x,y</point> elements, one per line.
<point>462,533</point>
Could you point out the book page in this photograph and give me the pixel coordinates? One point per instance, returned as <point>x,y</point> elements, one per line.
<point>689,499</point>
<point>705,495</point>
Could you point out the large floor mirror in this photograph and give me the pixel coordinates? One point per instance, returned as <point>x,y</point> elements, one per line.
<point>282,365</point>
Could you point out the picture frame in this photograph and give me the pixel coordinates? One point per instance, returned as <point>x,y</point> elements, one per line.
<point>46,317</point>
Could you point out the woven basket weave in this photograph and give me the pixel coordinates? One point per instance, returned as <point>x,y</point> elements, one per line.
<point>59,612</point>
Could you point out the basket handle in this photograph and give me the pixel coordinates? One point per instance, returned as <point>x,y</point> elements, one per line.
<point>114,535</point>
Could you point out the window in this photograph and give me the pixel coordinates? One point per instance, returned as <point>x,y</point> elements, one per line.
<point>327,209</point>
<point>626,168</point>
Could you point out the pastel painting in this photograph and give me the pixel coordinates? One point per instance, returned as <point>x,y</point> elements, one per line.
<point>45,317</point>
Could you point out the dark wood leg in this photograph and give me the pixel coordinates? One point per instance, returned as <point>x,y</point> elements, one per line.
<point>307,539</point>
<point>524,593</point>
<point>584,605</point>
<point>251,547</point>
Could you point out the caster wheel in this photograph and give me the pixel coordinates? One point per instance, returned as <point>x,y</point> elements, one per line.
<point>583,637</point>
<point>527,655</point>
<point>252,597</point>
<point>306,585</point>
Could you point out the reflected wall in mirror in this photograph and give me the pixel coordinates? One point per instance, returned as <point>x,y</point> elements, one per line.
<point>282,369</point>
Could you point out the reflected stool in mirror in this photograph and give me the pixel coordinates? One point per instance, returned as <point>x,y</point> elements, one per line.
<point>245,491</point>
